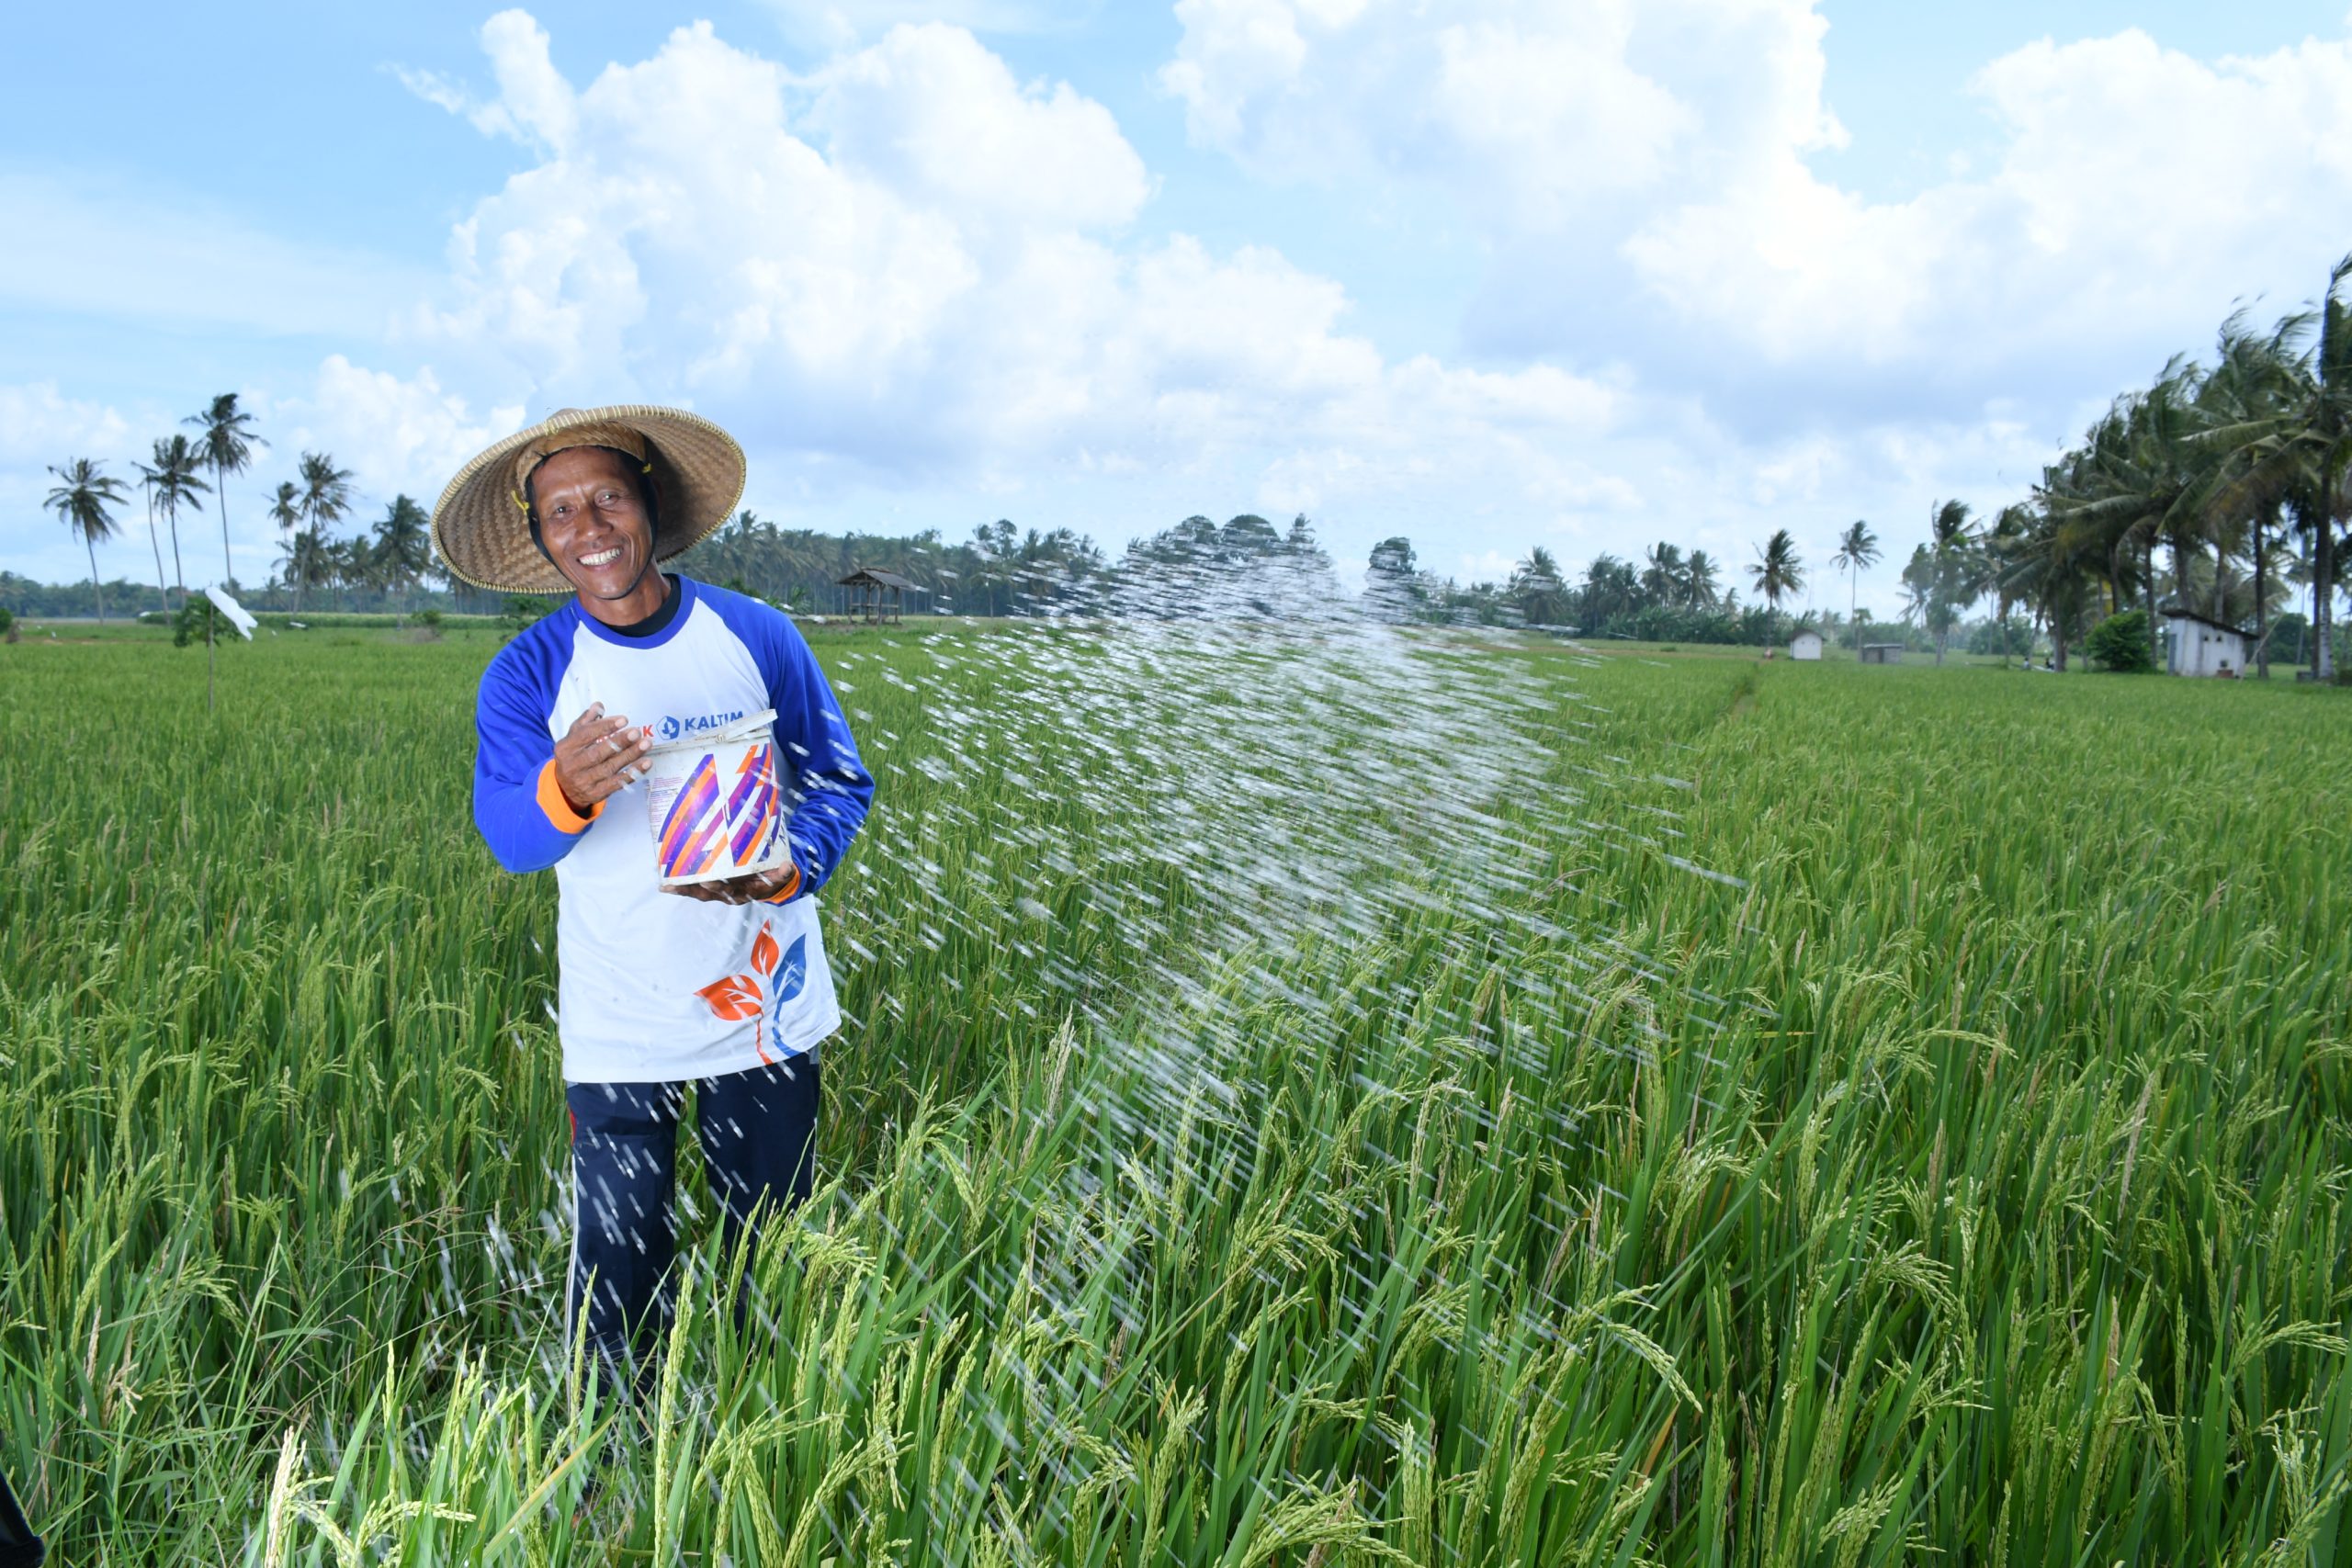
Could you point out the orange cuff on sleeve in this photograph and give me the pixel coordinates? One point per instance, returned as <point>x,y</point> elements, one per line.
<point>560,810</point>
<point>788,889</point>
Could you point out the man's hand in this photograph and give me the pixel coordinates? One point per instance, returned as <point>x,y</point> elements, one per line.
<point>759,885</point>
<point>597,757</point>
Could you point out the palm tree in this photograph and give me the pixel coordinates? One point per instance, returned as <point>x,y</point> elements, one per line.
<point>1957,572</point>
<point>2051,566</point>
<point>2143,479</point>
<point>1918,585</point>
<point>402,548</point>
<point>2000,546</point>
<point>80,503</point>
<point>286,510</point>
<point>2258,382</point>
<point>173,482</point>
<point>307,563</point>
<point>1777,570</point>
<point>227,446</point>
<point>1611,589</point>
<point>1700,581</point>
<point>155,543</point>
<point>1537,591</point>
<point>2301,452</point>
<point>2327,436</point>
<point>353,566</point>
<point>1857,553</point>
<point>326,496</point>
<point>1663,574</point>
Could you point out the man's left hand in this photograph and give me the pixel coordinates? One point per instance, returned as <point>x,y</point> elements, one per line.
<point>758,886</point>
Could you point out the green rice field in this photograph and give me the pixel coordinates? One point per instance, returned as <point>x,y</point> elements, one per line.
<point>1807,1114</point>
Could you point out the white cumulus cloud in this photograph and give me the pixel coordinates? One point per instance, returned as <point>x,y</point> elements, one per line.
<point>934,116</point>
<point>909,265</point>
<point>40,423</point>
<point>1533,113</point>
<point>2134,186</point>
<point>396,433</point>
<point>1649,180</point>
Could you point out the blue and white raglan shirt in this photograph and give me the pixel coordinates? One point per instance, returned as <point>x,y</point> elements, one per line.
<point>656,988</point>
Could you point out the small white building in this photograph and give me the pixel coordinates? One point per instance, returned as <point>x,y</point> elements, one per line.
<point>1805,645</point>
<point>2199,645</point>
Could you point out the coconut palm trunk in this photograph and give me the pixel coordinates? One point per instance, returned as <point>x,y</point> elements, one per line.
<point>95,589</point>
<point>220,489</point>
<point>179,573</point>
<point>2261,597</point>
<point>162,594</point>
<point>2323,580</point>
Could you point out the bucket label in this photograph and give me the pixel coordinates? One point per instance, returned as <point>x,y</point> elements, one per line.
<point>712,823</point>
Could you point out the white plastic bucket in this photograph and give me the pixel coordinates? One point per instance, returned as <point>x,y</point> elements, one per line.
<point>716,805</point>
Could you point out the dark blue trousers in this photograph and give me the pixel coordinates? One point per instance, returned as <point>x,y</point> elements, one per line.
<point>758,1132</point>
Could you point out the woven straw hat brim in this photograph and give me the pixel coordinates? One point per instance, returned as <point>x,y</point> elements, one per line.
<point>484,537</point>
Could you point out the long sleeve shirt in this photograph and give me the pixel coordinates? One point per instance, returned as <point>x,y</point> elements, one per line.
<point>655,988</point>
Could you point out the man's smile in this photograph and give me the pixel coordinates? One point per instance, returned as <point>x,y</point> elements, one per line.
<point>601,557</point>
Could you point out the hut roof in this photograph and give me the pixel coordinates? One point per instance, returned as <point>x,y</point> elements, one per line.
<point>875,575</point>
<point>2181,613</point>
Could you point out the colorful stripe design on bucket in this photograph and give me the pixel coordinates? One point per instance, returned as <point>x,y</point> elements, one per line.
<point>693,833</point>
<point>752,808</point>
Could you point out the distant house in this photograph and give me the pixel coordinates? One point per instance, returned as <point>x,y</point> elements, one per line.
<point>2200,645</point>
<point>1805,645</point>
<point>1881,653</point>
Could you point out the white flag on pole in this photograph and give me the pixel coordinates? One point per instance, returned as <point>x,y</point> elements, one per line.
<point>238,615</point>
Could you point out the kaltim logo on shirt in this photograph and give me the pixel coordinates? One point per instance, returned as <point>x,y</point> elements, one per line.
<point>673,728</point>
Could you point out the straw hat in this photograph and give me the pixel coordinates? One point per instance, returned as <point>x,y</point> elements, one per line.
<point>482,529</point>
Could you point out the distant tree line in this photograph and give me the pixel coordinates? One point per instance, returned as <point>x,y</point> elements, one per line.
<point>1668,595</point>
<point>999,570</point>
<point>2218,488</point>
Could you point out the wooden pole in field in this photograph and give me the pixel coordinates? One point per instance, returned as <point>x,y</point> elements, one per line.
<point>234,614</point>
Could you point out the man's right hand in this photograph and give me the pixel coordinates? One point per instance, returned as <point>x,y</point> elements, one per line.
<point>598,757</point>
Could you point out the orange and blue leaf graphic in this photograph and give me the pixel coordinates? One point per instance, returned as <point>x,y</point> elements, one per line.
<point>741,996</point>
<point>734,998</point>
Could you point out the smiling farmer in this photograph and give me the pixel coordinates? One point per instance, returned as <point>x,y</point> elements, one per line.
<point>720,984</point>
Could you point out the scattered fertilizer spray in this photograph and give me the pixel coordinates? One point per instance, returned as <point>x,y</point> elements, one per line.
<point>1249,857</point>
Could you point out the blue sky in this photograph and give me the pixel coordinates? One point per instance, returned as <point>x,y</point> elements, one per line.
<point>1494,274</point>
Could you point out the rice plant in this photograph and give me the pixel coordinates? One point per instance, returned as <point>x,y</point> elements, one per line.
<point>1336,1097</point>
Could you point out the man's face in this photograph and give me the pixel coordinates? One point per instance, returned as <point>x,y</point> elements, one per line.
<point>593,522</point>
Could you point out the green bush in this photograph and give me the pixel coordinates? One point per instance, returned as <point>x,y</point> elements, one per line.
<point>430,620</point>
<point>522,610</point>
<point>189,625</point>
<point>7,623</point>
<point>2120,643</point>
